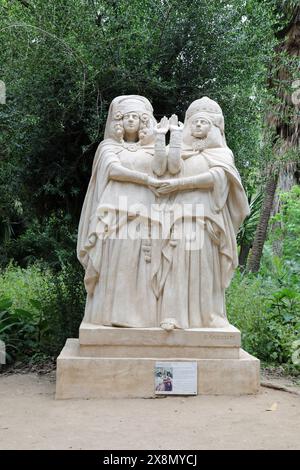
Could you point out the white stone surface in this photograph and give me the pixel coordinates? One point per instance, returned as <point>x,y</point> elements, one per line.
<point>156,266</point>
<point>90,334</point>
<point>103,377</point>
<point>160,352</point>
<point>102,341</point>
<point>178,279</point>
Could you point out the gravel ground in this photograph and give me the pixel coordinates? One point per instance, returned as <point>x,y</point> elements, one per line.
<point>30,418</point>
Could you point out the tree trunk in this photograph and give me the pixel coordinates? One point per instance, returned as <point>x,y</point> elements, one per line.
<point>262,227</point>
<point>285,120</point>
<point>243,256</point>
<point>288,177</point>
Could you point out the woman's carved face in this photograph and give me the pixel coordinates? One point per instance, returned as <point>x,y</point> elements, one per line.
<point>200,128</point>
<point>131,122</point>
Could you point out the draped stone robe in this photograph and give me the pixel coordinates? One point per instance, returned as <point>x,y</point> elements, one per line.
<point>190,283</point>
<point>118,268</point>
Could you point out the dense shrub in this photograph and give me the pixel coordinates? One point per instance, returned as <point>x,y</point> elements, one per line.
<point>39,309</point>
<point>51,239</point>
<point>266,308</point>
<point>286,225</point>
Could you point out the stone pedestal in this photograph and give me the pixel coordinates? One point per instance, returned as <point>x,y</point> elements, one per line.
<point>107,362</point>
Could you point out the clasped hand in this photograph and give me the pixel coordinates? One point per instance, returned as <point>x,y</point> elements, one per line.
<point>161,187</point>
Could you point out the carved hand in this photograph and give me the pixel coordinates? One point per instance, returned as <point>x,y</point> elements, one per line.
<point>162,127</point>
<point>168,186</point>
<point>153,184</point>
<point>174,124</point>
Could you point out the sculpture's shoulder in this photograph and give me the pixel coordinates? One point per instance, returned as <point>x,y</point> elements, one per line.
<point>107,150</point>
<point>195,164</point>
<point>220,157</point>
<point>108,146</point>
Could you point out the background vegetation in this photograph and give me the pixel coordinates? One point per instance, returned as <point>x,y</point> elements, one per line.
<point>63,61</point>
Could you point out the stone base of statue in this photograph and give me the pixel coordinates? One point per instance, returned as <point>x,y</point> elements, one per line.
<point>108,362</point>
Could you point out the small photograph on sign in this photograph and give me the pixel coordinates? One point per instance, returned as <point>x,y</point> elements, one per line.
<point>163,379</point>
<point>177,378</point>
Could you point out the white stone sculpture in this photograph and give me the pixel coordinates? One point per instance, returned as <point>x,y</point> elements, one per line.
<point>157,242</point>
<point>194,280</point>
<point>137,182</point>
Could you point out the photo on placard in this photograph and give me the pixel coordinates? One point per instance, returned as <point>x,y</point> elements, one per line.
<point>164,379</point>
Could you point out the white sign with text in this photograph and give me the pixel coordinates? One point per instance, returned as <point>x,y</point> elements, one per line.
<point>175,378</point>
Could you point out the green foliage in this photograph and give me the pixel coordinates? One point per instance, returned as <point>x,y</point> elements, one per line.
<point>64,61</point>
<point>266,307</point>
<point>53,240</point>
<point>287,226</point>
<point>39,309</point>
<point>247,230</point>
<point>267,314</point>
<point>10,328</point>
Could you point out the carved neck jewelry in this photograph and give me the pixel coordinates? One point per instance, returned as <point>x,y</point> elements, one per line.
<point>200,144</point>
<point>131,146</point>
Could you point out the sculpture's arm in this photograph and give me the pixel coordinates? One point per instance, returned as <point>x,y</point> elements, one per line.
<point>120,173</point>
<point>174,160</point>
<point>202,181</point>
<point>159,163</point>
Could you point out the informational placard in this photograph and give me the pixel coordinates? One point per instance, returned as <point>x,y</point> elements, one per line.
<point>175,378</point>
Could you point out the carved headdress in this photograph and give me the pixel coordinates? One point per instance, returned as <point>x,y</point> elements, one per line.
<point>207,108</point>
<point>126,104</point>
<point>212,112</point>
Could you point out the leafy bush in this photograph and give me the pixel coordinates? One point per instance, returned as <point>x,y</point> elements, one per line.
<point>266,308</point>
<point>51,239</point>
<point>39,309</point>
<point>287,224</point>
<point>10,328</point>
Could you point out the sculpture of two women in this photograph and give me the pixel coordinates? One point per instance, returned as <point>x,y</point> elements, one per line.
<point>157,234</point>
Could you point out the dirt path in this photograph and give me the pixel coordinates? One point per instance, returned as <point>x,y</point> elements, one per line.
<point>30,418</point>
